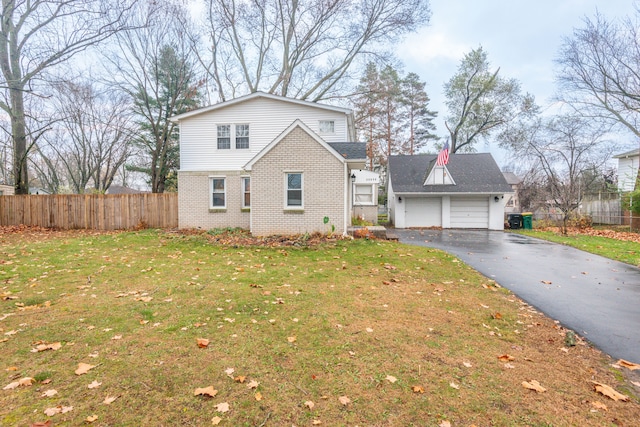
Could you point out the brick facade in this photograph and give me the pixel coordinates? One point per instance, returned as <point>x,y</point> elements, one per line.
<point>323,188</point>
<point>194,201</point>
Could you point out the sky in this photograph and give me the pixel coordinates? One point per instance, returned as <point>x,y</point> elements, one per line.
<point>521,37</point>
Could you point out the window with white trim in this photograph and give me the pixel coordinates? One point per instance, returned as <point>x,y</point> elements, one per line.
<point>327,126</point>
<point>363,194</point>
<point>242,136</point>
<point>218,193</point>
<point>246,192</point>
<point>224,137</point>
<point>294,189</point>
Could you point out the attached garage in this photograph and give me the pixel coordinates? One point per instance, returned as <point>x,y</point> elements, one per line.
<point>467,192</point>
<point>423,212</point>
<point>470,212</point>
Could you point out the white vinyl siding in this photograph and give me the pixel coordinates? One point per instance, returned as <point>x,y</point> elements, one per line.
<point>268,118</point>
<point>470,212</point>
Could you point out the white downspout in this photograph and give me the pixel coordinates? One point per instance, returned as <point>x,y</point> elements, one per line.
<point>347,208</point>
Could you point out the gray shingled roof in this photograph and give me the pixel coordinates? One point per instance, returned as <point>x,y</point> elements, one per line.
<point>472,173</point>
<point>350,150</point>
<point>512,178</point>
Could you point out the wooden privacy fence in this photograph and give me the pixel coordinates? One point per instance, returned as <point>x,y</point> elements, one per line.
<point>91,211</point>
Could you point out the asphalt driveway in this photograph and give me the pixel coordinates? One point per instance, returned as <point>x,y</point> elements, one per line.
<point>594,296</point>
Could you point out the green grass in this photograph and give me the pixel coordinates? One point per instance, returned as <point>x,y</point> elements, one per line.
<point>619,250</point>
<point>308,324</point>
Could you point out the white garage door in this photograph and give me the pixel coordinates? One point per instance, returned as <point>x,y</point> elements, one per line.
<point>423,212</point>
<point>470,212</point>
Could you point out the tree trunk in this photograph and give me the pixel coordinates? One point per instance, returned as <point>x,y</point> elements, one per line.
<point>19,134</point>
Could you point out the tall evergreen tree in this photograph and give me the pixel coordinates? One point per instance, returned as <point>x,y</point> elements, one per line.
<point>419,119</point>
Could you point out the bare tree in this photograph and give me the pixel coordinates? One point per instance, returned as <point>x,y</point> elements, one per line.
<point>300,48</point>
<point>36,36</point>
<point>599,71</point>
<point>155,66</point>
<point>565,150</point>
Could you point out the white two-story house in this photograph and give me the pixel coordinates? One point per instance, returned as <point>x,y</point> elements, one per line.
<point>273,165</point>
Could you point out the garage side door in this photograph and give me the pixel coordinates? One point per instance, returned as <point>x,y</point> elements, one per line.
<point>470,212</point>
<point>423,212</point>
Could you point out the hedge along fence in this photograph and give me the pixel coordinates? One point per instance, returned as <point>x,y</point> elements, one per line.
<point>91,211</point>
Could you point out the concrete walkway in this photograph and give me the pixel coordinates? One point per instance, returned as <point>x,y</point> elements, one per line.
<point>594,296</point>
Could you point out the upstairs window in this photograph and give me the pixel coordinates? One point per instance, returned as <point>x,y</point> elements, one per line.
<point>327,126</point>
<point>246,192</point>
<point>242,136</point>
<point>294,190</point>
<point>218,193</point>
<point>224,137</point>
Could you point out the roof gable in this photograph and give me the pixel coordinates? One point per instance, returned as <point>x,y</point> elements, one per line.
<point>471,173</point>
<point>439,175</point>
<point>255,95</point>
<point>292,126</point>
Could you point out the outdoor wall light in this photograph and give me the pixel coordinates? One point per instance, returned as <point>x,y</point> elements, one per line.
<point>497,199</point>
<point>399,199</point>
<point>353,177</point>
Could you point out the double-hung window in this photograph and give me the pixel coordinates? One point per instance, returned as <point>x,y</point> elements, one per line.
<point>246,192</point>
<point>364,194</point>
<point>218,193</point>
<point>242,136</point>
<point>327,126</point>
<point>224,137</point>
<point>294,189</point>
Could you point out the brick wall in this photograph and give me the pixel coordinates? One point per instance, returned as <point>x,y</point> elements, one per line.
<point>193,201</point>
<point>323,188</point>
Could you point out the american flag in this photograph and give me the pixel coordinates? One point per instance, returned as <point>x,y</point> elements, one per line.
<point>443,156</point>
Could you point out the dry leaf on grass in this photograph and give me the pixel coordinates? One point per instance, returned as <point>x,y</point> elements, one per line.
<point>454,385</point>
<point>391,379</point>
<point>41,424</point>
<point>49,393</point>
<point>417,389</point>
<point>94,384</point>
<point>44,347</point>
<point>50,412</point>
<point>444,424</point>
<point>205,391</point>
<point>309,404</point>
<point>467,364</point>
<point>533,385</point>
<point>109,400</point>
<point>216,420</point>
<point>91,418</point>
<point>229,372</point>
<point>291,339</point>
<point>599,405</point>
<point>344,400</point>
<point>316,422</point>
<point>83,368</point>
<point>506,358</point>
<point>629,365</point>
<point>258,396</point>
<point>253,384</point>
<point>25,382</point>
<point>609,392</point>
<point>202,342</point>
<point>222,407</point>
<point>240,379</point>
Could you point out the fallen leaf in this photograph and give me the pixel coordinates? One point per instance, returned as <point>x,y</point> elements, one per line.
<point>344,400</point>
<point>316,422</point>
<point>599,405</point>
<point>240,379</point>
<point>291,339</point>
<point>91,418</point>
<point>635,383</point>
<point>116,337</point>
<point>50,412</point>
<point>253,384</point>
<point>202,342</point>
<point>109,400</point>
<point>222,407</point>
<point>66,409</point>
<point>417,389</point>
<point>206,391</point>
<point>609,392</point>
<point>41,424</point>
<point>229,372</point>
<point>496,315</point>
<point>467,364</point>
<point>83,368</point>
<point>94,384</point>
<point>12,368</point>
<point>309,404</point>
<point>454,385</point>
<point>506,358</point>
<point>369,330</point>
<point>629,365</point>
<point>391,379</point>
<point>49,393</point>
<point>258,396</point>
<point>144,299</point>
<point>546,282</point>
<point>44,346</point>
<point>444,424</point>
<point>509,366</point>
<point>216,420</point>
<point>533,385</point>
<point>25,382</point>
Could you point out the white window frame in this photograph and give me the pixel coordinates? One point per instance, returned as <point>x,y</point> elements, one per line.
<point>287,189</point>
<point>370,202</point>
<point>211,191</point>
<point>218,137</point>
<point>327,127</point>
<point>240,130</point>
<point>243,191</point>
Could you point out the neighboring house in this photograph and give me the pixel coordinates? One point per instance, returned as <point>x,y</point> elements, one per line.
<point>6,190</point>
<point>119,189</point>
<point>273,165</point>
<point>513,200</point>
<point>628,169</point>
<point>469,192</point>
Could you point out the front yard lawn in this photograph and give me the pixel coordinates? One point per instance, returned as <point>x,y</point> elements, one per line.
<point>332,333</point>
